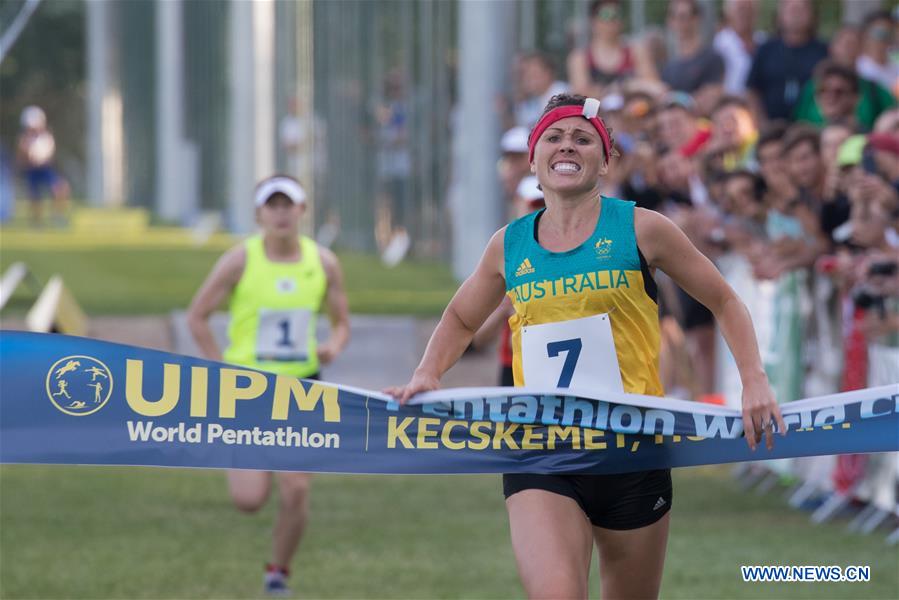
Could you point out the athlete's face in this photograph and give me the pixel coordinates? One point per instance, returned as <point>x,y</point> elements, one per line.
<point>568,157</point>
<point>279,216</point>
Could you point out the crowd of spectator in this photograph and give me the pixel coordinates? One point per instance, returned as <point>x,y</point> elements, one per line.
<point>773,148</point>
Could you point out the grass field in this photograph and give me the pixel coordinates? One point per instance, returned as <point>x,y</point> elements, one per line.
<point>86,532</point>
<point>140,280</point>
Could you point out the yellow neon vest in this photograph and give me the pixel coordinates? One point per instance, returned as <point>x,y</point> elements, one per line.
<point>274,310</point>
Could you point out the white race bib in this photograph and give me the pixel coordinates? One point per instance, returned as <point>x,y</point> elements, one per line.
<point>283,335</point>
<point>577,353</point>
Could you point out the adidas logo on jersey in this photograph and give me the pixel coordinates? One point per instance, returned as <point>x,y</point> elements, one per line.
<point>524,268</point>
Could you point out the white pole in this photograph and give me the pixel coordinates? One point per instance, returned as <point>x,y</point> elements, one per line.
<point>171,202</point>
<point>304,90</point>
<point>264,84</point>
<point>96,85</point>
<point>252,59</point>
<point>483,59</point>
<point>242,122</point>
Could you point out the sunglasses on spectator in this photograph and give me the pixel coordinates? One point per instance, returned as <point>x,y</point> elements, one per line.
<point>833,91</point>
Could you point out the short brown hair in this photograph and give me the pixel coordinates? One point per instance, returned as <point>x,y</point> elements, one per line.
<point>828,68</point>
<point>801,134</point>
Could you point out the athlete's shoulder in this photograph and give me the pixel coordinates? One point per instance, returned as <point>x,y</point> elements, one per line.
<point>654,232</point>
<point>645,218</point>
<point>521,229</point>
<point>499,238</point>
<point>231,265</point>
<point>328,258</point>
<point>618,203</point>
<point>495,252</point>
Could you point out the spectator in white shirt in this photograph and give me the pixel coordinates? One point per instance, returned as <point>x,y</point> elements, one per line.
<point>537,83</point>
<point>736,42</point>
<point>875,63</point>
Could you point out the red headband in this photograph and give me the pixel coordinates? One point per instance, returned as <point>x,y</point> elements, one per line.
<point>571,110</point>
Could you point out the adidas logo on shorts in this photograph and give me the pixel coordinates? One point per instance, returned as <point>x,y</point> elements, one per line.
<point>659,503</point>
<point>524,268</point>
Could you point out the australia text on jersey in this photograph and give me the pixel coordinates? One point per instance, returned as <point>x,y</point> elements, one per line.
<point>571,284</point>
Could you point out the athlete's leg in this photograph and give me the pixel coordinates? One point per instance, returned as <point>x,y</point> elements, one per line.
<point>293,512</point>
<point>631,561</point>
<point>553,542</point>
<point>249,489</point>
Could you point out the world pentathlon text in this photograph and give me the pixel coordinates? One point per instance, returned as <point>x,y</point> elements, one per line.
<point>214,433</point>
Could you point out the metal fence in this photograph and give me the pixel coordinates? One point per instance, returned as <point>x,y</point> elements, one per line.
<point>180,106</point>
<point>359,101</point>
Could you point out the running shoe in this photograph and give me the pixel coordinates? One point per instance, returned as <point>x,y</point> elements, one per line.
<point>275,585</point>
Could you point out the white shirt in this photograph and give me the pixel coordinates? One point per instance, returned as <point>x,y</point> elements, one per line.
<point>528,111</point>
<point>737,60</point>
<point>886,75</point>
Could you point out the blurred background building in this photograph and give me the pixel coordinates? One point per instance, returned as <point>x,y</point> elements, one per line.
<point>181,106</point>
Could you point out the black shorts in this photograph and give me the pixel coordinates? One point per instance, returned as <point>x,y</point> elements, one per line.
<point>694,313</point>
<point>625,501</point>
<point>506,379</point>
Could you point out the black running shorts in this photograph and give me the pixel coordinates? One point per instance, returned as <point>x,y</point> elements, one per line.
<point>625,501</point>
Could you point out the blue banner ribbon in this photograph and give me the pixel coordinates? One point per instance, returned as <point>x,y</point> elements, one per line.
<point>69,400</point>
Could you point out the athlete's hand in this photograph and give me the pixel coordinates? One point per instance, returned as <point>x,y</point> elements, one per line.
<point>420,382</point>
<point>326,353</point>
<point>760,412</point>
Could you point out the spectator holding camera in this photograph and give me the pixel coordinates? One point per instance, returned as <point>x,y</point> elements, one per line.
<point>793,222</point>
<point>883,148</point>
<point>878,296</point>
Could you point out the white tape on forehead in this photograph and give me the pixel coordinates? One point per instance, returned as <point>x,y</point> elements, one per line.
<point>591,108</point>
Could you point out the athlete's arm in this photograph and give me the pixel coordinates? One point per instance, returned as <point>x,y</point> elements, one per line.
<point>493,326</point>
<point>220,282</point>
<point>475,299</point>
<point>337,307</point>
<point>665,246</point>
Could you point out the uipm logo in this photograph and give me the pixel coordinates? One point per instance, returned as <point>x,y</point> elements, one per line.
<point>79,385</point>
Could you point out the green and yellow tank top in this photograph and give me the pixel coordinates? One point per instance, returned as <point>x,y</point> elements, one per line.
<point>273,311</point>
<point>586,318</point>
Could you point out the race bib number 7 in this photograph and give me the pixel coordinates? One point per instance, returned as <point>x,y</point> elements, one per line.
<point>578,353</point>
<point>283,335</point>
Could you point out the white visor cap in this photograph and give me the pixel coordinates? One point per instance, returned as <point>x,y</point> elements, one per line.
<point>515,141</point>
<point>529,189</point>
<point>33,117</point>
<point>279,185</point>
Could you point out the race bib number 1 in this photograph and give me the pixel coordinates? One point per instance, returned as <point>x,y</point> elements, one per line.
<point>283,335</point>
<point>579,353</point>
